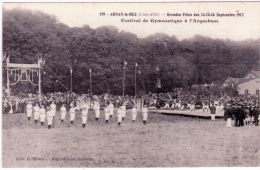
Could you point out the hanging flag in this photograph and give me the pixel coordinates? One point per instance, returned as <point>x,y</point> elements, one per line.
<point>157,68</point>
<point>125,63</point>
<point>136,64</point>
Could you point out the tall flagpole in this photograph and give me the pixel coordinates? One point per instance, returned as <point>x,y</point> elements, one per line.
<point>71,79</point>
<point>258,64</point>
<point>7,76</point>
<point>136,65</point>
<point>90,82</point>
<point>90,86</point>
<point>157,84</point>
<point>41,62</point>
<point>40,81</point>
<point>125,63</point>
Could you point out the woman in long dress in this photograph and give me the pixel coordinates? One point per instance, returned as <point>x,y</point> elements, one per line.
<point>29,110</point>
<point>42,115</point>
<point>36,112</point>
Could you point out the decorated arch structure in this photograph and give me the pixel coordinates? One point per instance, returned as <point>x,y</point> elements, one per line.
<point>31,73</point>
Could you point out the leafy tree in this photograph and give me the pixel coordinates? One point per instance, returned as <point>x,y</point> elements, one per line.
<point>198,60</point>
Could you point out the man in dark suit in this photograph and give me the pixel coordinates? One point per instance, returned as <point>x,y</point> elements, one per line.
<point>228,113</point>
<point>235,111</point>
<point>256,115</point>
<point>241,115</point>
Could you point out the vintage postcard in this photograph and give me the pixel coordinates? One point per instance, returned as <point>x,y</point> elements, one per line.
<point>152,84</point>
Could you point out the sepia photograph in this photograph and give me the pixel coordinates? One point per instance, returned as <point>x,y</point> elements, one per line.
<point>130,84</point>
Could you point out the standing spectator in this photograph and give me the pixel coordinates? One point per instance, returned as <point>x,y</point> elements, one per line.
<point>11,107</point>
<point>247,113</point>
<point>241,115</point>
<point>17,105</point>
<point>29,110</point>
<point>256,115</point>
<point>213,111</point>
<point>235,111</point>
<point>6,106</point>
<point>228,113</point>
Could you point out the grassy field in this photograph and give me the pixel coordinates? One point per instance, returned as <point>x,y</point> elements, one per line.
<point>166,141</point>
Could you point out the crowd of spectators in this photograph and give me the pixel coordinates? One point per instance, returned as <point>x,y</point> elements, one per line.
<point>178,99</point>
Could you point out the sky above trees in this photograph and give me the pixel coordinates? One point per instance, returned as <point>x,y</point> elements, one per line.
<point>234,28</point>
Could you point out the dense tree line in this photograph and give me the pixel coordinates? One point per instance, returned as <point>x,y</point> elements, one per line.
<point>28,34</point>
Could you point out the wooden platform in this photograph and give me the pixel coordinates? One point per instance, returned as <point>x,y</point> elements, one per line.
<point>197,113</point>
